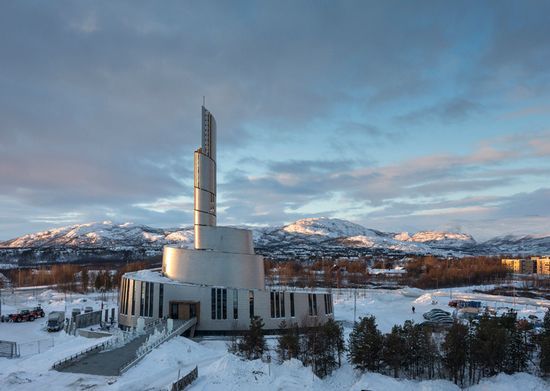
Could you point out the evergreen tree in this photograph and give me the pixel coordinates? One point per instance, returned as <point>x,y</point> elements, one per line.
<point>489,346</point>
<point>393,349</point>
<point>544,343</point>
<point>455,352</point>
<point>85,280</point>
<point>321,347</point>
<point>334,336</point>
<point>253,345</point>
<point>518,346</point>
<point>98,283</point>
<point>365,345</point>
<point>108,282</point>
<point>288,343</point>
<point>429,358</point>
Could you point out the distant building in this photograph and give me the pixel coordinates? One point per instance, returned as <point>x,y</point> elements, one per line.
<point>542,264</point>
<point>520,266</point>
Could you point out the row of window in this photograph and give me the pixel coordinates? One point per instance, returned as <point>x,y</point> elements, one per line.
<point>146,302</point>
<point>218,301</point>
<point>312,301</point>
<point>277,304</point>
<point>124,293</point>
<point>146,299</point>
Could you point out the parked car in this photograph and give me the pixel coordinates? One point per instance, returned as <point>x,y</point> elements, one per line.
<point>74,312</point>
<point>465,303</point>
<point>56,320</point>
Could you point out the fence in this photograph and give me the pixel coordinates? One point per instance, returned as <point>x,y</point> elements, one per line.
<point>34,347</point>
<point>180,384</point>
<point>8,349</point>
<point>153,342</point>
<point>68,360</point>
<point>115,342</point>
<point>87,319</point>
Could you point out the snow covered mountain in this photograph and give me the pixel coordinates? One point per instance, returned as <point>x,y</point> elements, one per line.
<point>323,227</point>
<point>518,244</point>
<point>103,235</point>
<point>304,238</point>
<point>437,239</point>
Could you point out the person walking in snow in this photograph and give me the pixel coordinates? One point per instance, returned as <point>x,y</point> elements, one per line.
<point>413,309</point>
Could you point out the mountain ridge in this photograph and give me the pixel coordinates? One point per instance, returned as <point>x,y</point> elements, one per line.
<point>303,238</point>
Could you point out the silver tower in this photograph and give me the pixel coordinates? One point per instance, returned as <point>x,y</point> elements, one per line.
<point>205,177</point>
<point>221,281</point>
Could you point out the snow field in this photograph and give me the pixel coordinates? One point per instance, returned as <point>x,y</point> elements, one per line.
<point>219,370</point>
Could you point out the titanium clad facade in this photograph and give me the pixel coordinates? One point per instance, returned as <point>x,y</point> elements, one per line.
<point>222,309</point>
<point>221,280</point>
<point>205,175</point>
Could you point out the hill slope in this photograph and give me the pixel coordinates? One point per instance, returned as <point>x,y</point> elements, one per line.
<point>302,239</point>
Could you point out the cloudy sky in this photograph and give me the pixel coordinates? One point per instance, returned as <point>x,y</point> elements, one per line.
<point>398,115</point>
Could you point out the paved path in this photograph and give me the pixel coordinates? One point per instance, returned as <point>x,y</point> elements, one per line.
<point>107,363</point>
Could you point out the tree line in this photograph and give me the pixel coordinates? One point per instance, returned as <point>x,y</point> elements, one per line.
<point>421,272</point>
<point>318,346</point>
<point>71,277</point>
<point>464,354</point>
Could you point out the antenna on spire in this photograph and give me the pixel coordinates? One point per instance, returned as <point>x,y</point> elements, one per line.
<point>203,100</point>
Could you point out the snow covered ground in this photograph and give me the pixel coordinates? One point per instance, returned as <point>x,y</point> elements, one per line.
<point>219,370</point>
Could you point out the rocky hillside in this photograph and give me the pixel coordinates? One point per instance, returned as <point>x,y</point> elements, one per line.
<point>302,239</point>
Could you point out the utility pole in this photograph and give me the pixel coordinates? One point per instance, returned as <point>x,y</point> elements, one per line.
<point>354,304</point>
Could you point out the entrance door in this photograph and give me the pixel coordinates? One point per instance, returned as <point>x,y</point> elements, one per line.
<point>192,310</point>
<point>174,311</point>
<point>184,310</point>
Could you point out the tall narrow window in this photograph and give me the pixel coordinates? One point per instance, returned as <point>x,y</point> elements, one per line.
<point>127,296</point>
<point>328,303</point>
<point>122,297</point>
<point>251,303</point>
<point>218,298</point>
<point>213,301</point>
<point>277,304</point>
<point>151,298</point>
<point>142,300</point>
<point>218,302</point>
<point>161,299</point>
<point>314,304</point>
<point>133,297</point>
<point>224,303</point>
<point>292,312</point>
<point>312,301</point>
<point>235,304</point>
